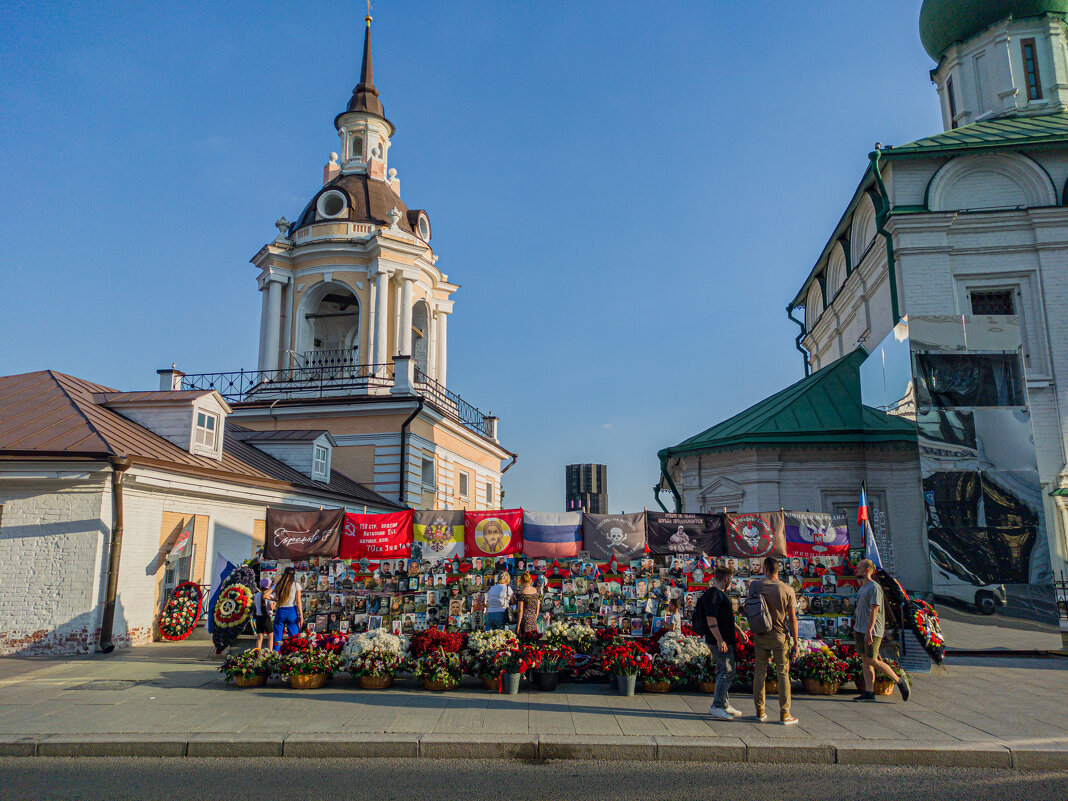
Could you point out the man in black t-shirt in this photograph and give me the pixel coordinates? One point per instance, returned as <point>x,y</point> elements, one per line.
<point>716,609</point>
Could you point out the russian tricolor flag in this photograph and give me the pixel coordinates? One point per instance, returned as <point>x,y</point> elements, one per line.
<point>549,535</point>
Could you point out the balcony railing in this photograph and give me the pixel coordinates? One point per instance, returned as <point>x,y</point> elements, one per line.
<point>331,377</point>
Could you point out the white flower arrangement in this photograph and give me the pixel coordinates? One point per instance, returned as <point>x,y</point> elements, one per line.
<point>484,643</point>
<point>679,651</point>
<point>578,635</point>
<point>376,640</point>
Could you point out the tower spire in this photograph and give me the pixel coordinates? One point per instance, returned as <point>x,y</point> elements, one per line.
<point>365,96</point>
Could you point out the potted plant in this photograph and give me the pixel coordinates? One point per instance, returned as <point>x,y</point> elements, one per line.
<point>577,636</point>
<point>374,657</point>
<point>658,676</point>
<point>248,668</point>
<point>821,671</point>
<point>689,656</point>
<point>623,661</point>
<point>439,670</point>
<point>882,685</point>
<point>743,677</point>
<point>309,670</point>
<point>484,652</point>
<point>512,663</point>
<point>551,660</point>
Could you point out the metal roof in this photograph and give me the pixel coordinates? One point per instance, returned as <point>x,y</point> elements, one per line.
<point>822,408</point>
<point>47,413</point>
<point>1015,131</point>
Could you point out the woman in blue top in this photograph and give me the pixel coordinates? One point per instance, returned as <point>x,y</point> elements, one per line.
<point>288,616</point>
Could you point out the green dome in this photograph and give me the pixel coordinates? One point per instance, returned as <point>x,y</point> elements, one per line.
<point>943,22</point>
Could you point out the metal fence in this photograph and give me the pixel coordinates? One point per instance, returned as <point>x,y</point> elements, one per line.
<point>450,403</point>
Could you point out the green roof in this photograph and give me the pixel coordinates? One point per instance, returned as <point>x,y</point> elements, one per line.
<point>1003,132</point>
<point>822,408</point>
<point>943,22</point>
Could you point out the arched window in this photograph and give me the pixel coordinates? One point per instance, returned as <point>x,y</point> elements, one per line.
<point>328,328</point>
<point>421,336</point>
<point>813,304</point>
<point>836,270</point>
<point>996,180</point>
<point>862,231</point>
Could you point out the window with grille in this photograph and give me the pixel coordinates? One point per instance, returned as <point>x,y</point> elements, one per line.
<point>995,301</point>
<point>207,429</point>
<point>1030,61</point>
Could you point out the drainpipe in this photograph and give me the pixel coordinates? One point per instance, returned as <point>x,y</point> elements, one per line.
<point>881,216</point>
<point>119,465</point>
<point>797,340</point>
<point>403,477</point>
<point>507,467</point>
<point>671,484</point>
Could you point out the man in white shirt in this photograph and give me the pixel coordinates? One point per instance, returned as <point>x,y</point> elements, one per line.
<point>498,599</point>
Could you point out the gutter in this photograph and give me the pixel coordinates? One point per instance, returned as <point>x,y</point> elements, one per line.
<point>119,465</point>
<point>402,477</point>
<point>881,215</point>
<point>799,337</point>
<point>507,467</point>
<point>671,484</point>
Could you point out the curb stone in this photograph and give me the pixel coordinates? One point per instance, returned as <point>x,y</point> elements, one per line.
<point>234,745</point>
<point>956,755</point>
<point>17,745</point>
<point>787,751</point>
<point>1039,758</point>
<point>699,749</point>
<point>373,746</point>
<point>122,745</point>
<point>568,746</point>
<point>482,746</point>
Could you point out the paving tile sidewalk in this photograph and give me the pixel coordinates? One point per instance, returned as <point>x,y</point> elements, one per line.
<point>993,712</point>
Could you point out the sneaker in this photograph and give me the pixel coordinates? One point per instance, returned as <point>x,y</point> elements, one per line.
<point>865,696</point>
<point>719,713</point>
<point>787,720</point>
<point>734,713</point>
<point>761,715</point>
<point>902,685</point>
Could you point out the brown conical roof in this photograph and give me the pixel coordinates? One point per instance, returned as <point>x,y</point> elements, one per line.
<point>365,95</point>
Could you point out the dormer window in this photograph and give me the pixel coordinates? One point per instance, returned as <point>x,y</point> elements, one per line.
<point>331,204</point>
<point>321,463</point>
<point>206,431</point>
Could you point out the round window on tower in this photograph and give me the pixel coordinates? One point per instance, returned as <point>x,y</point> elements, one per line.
<point>331,204</point>
<point>424,227</point>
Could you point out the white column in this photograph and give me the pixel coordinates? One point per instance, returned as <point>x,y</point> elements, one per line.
<point>274,324</point>
<point>404,347</point>
<point>432,343</point>
<point>261,364</point>
<point>367,355</point>
<point>441,317</point>
<point>381,317</point>
<point>396,317</point>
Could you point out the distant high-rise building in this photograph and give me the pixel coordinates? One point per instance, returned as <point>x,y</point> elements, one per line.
<point>586,488</point>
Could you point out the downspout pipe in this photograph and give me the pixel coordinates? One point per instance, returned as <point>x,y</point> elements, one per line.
<point>671,484</point>
<point>403,476</point>
<point>799,337</point>
<point>119,466</point>
<point>881,216</point>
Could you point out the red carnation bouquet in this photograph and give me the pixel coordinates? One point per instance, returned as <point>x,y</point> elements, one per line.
<point>623,658</point>
<point>434,639</point>
<point>299,644</point>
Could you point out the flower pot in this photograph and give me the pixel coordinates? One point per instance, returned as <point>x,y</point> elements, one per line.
<point>626,683</point>
<point>706,687</point>
<point>546,681</point>
<point>437,686</point>
<point>375,682</point>
<point>255,680</point>
<point>510,683</point>
<point>656,687</point>
<point>491,683</point>
<point>309,681</point>
<point>771,687</point>
<point>882,686</point>
<point>817,687</point>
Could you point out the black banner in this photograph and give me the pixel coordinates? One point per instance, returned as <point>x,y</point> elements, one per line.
<point>671,533</point>
<point>298,535</point>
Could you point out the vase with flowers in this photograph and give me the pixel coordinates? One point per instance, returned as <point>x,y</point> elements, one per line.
<point>249,668</point>
<point>374,657</point>
<point>550,661</point>
<point>821,670</point>
<point>309,670</point>
<point>658,676</point>
<point>439,670</point>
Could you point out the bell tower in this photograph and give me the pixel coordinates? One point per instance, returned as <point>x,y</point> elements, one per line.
<point>363,130</point>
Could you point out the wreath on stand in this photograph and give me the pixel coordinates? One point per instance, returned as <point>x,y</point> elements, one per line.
<point>181,612</point>
<point>232,607</point>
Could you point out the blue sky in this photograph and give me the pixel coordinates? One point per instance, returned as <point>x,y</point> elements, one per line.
<point>628,192</point>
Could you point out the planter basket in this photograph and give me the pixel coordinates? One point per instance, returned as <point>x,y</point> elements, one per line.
<point>491,683</point>
<point>375,682</point>
<point>771,687</point>
<point>255,680</point>
<point>310,681</point>
<point>882,686</point>
<point>437,686</point>
<point>656,687</point>
<point>816,687</point>
<point>706,687</point>
<point>546,681</point>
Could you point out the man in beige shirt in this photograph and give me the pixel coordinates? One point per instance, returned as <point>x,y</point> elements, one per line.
<point>773,646</point>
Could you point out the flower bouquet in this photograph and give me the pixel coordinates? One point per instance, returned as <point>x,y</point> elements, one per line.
<point>623,659</point>
<point>658,676</point>
<point>249,668</point>
<point>181,612</point>
<point>690,656</point>
<point>550,661</point>
<point>434,639</point>
<point>332,641</point>
<point>821,671</point>
<point>374,657</point>
<point>309,670</point>
<point>440,670</point>
<point>578,636</point>
<point>483,652</point>
<point>299,644</point>
<point>608,636</point>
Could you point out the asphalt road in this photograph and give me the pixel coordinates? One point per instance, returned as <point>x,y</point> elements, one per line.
<point>467,780</point>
